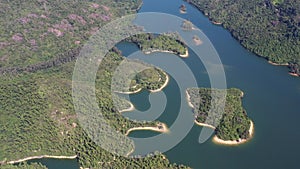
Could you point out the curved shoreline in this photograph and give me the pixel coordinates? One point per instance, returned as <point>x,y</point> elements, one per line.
<point>167,51</point>
<point>164,129</point>
<point>294,74</point>
<point>277,64</point>
<point>133,92</point>
<point>152,91</point>
<point>131,108</point>
<point>163,86</point>
<point>40,157</point>
<point>197,42</point>
<point>188,98</point>
<point>216,23</point>
<point>217,140</point>
<point>205,125</point>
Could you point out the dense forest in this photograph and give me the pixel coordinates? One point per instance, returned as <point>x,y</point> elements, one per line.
<point>150,79</point>
<point>38,118</point>
<point>37,31</point>
<point>269,28</point>
<point>234,123</point>
<point>148,43</point>
<point>40,42</point>
<point>24,166</point>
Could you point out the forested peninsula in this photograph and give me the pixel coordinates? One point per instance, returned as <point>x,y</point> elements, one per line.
<point>269,28</point>
<point>234,126</point>
<point>40,42</point>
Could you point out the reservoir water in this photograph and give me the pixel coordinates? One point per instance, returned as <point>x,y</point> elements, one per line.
<point>271,100</point>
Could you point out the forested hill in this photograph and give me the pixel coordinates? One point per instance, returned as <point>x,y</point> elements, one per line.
<point>269,28</point>
<point>33,32</point>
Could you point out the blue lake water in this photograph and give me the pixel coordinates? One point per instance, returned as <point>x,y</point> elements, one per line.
<point>271,100</point>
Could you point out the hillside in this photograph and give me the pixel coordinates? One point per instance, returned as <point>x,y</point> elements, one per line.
<point>269,28</point>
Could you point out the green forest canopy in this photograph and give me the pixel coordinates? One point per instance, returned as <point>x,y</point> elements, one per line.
<point>269,28</point>
<point>234,123</point>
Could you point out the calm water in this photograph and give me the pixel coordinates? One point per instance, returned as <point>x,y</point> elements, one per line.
<point>271,100</point>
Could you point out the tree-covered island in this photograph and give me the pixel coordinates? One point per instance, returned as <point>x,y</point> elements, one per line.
<point>170,42</point>
<point>234,127</point>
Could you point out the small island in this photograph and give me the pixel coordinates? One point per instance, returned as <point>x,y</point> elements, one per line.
<point>182,9</point>
<point>197,40</point>
<point>187,25</point>
<point>234,127</point>
<point>168,43</point>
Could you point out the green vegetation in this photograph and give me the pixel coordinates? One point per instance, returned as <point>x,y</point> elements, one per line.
<point>37,31</point>
<point>234,123</point>
<point>150,79</point>
<point>277,2</point>
<point>24,166</point>
<point>148,43</point>
<point>187,25</point>
<point>38,118</point>
<point>269,28</point>
<point>39,43</point>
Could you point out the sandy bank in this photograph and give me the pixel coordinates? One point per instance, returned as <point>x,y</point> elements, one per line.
<point>133,92</point>
<point>235,142</point>
<point>205,125</point>
<point>167,51</point>
<point>188,98</point>
<point>216,23</point>
<point>131,108</point>
<point>163,86</point>
<point>294,74</point>
<point>276,64</point>
<point>40,157</point>
<point>162,128</point>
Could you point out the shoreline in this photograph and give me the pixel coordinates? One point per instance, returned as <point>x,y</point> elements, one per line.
<point>163,86</point>
<point>277,64</point>
<point>284,64</point>
<point>242,94</point>
<point>152,91</point>
<point>197,42</point>
<point>185,55</point>
<point>216,23</point>
<point>133,92</point>
<point>217,140</point>
<point>294,74</point>
<point>209,17</point>
<point>40,157</point>
<point>130,152</point>
<point>167,51</point>
<point>182,11</point>
<point>188,98</point>
<point>131,108</point>
<point>205,125</point>
<point>164,129</point>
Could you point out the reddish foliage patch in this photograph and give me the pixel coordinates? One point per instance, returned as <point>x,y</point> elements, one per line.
<point>77,18</point>
<point>57,32</point>
<point>105,8</point>
<point>17,37</point>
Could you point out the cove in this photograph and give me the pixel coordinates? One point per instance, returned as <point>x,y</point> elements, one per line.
<point>271,100</point>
